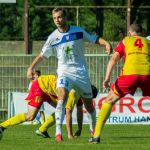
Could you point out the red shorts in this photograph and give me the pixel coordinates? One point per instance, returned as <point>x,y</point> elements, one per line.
<point>127,84</point>
<point>36,96</point>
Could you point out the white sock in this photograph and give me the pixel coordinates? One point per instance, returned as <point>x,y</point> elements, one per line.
<point>92,120</point>
<point>59,116</point>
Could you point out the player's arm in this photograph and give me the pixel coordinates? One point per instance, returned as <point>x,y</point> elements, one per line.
<point>69,123</point>
<point>107,45</point>
<point>35,62</point>
<point>69,108</point>
<point>79,120</point>
<point>111,64</point>
<point>97,40</point>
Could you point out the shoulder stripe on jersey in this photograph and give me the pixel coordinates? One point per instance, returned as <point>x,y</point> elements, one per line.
<point>70,37</point>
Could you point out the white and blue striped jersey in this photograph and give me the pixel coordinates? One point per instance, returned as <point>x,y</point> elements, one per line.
<point>69,49</point>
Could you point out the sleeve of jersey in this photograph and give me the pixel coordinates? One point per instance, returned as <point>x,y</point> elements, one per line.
<point>47,49</point>
<point>89,37</point>
<point>120,48</point>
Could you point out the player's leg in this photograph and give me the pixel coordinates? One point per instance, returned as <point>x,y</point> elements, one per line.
<point>91,112</point>
<point>42,131</point>
<point>63,87</point>
<point>32,112</point>
<point>19,118</point>
<point>60,111</point>
<point>103,114</point>
<point>85,90</point>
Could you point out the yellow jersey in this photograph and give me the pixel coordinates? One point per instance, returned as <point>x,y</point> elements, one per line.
<point>48,85</point>
<point>136,51</point>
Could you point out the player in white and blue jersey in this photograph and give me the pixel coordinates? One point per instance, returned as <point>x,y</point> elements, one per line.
<point>67,44</point>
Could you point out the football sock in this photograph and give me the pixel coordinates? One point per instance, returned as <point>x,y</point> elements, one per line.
<point>92,119</point>
<point>48,123</point>
<point>19,118</point>
<point>59,116</point>
<point>102,117</point>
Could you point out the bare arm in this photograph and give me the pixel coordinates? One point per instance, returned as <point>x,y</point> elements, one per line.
<point>35,62</point>
<point>69,123</point>
<point>111,64</point>
<point>107,45</point>
<point>79,120</point>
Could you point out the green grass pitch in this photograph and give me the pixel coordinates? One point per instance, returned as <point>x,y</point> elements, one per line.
<point>114,137</point>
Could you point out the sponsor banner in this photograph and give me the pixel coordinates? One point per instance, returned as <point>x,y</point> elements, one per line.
<point>128,110</point>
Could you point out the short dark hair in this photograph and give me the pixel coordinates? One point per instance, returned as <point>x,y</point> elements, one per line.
<point>38,72</point>
<point>136,28</point>
<point>94,91</point>
<point>59,9</point>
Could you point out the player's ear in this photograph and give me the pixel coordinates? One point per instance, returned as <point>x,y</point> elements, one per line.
<point>129,33</point>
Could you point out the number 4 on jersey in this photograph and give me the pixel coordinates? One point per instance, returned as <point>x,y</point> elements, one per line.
<point>138,43</point>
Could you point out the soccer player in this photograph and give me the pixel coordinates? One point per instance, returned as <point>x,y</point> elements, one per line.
<point>69,110</point>
<point>67,44</point>
<point>42,89</point>
<point>73,99</point>
<point>135,73</point>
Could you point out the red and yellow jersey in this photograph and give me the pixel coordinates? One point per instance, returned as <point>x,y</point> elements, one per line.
<point>48,85</point>
<point>136,52</point>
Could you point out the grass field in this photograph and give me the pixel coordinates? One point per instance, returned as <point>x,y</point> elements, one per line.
<point>115,137</point>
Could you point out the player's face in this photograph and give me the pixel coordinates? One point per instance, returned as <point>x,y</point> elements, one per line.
<point>59,19</point>
<point>36,76</point>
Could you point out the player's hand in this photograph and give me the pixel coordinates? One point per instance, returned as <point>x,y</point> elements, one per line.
<point>106,85</point>
<point>108,48</point>
<point>29,73</point>
<point>70,137</point>
<point>77,133</point>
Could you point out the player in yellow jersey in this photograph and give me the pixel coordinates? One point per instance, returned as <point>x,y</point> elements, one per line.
<point>42,89</point>
<point>73,99</point>
<point>135,74</point>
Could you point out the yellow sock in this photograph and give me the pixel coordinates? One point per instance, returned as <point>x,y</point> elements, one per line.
<point>102,117</point>
<point>19,118</point>
<point>42,117</point>
<point>48,123</point>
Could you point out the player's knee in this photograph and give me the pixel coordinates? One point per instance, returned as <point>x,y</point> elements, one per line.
<point>29,117</point>
<point>62,93</point>
<point>111,98</point>
<point>68,111</point>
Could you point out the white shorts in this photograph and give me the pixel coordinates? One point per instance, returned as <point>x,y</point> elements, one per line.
<point>81,84</point>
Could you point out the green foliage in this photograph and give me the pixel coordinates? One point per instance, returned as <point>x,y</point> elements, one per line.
<point>114,25</point>
<point>11,21</point>
<point>41,23</point>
